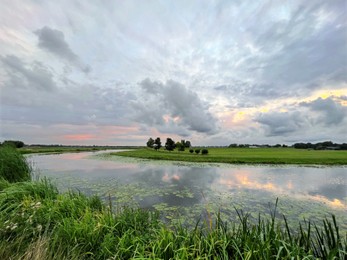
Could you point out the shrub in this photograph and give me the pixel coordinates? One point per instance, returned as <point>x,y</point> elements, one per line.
<point>181,148</point>
<point>191,150</point>
<point>204,151</point>
<point>13,165</point>
<point>13,143</point>
<point>197,151</point>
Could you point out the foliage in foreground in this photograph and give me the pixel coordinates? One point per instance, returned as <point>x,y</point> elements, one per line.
<point>13,165</point>
<point>35,220</point>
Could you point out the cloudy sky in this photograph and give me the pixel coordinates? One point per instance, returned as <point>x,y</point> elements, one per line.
<point>213,72</point>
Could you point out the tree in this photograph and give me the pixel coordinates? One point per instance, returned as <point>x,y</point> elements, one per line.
<point>204,151</point>
<point>157,144</point>
<point>197,151</point>
<point>187,144</point>
<point>180,146</point>
<point>150,142</point>
<point>170,144</point>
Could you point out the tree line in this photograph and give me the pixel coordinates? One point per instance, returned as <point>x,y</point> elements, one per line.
<point>327,145</point>
<point>170,144</point>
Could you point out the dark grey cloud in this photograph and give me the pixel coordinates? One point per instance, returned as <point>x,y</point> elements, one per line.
<point>304,51</point>
<point>176,101</point>
<point>329,111</point>
<point>33,93</point>
<point>53,40</point>
<point>31,76</point>
<point>280,123</point>
<point>76,105</point>
<point>307,49</point>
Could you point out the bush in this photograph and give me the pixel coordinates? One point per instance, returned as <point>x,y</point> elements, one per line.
<point>197,151</point>
<point>13,143</point>
<point>13,165</point>
<point>204,151</point>
<point>191,150</point>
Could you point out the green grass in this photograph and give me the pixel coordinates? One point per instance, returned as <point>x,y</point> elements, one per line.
<point>37,221</point>
<point>246,155</point>
<point>13,165</point>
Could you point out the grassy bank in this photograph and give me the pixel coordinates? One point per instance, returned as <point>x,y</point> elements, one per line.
<point>246,155</point>
<point>36,222</point>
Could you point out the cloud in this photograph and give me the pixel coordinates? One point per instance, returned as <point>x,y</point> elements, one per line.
<point>298,49</point>
<point>172,105</point>
<point>31,76</point>
<point>35,98</point>
<point>53,41</point>
<point>329,111</point>
<point>280,123</point>
<point>207,63</point>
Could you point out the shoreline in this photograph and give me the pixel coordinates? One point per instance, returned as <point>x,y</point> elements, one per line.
<point>259,157</point>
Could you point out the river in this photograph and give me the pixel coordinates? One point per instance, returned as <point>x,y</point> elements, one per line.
<point>187,191</point>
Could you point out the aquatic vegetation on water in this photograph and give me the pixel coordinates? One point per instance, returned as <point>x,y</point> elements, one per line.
<point>36,220</point>
<point>187,204</point>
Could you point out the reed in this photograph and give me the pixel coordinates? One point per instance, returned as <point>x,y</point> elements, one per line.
<point>13,165</point>
<point>35,219</point>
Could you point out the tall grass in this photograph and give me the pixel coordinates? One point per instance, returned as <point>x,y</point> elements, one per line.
<point>36,222</point>
<point>13,165</point>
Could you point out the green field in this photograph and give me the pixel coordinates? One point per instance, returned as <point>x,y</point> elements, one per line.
<point>246,155</point>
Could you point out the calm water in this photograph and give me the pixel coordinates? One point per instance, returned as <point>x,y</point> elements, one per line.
<point>186,190</point>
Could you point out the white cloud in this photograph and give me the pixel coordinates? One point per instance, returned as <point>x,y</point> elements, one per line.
<point>204,60</point>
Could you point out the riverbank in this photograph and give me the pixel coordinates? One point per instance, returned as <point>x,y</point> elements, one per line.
<point>245,156</point>
<point>66,149</point>
<point>38,222</point>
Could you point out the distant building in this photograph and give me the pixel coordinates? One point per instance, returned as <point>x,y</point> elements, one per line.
<point>332,148</point>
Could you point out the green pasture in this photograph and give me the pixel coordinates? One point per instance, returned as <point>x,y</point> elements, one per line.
<point>245,155</point>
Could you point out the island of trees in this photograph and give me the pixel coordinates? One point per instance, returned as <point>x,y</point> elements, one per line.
<point>171,145</point>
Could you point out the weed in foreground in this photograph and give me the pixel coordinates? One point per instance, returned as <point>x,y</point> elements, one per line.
<point>36,220</point>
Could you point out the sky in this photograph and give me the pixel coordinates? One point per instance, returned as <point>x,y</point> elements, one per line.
<point>212,72</point>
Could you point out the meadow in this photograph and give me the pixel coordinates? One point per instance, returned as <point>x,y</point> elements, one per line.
<point>38,222</point>
<point>245,156</point>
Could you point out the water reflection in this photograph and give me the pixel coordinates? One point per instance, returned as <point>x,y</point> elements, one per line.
<point>189,188</point>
